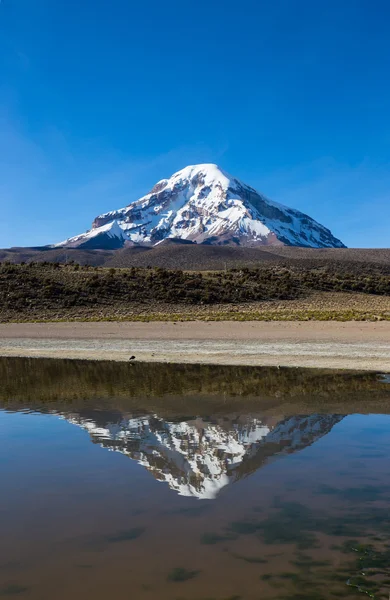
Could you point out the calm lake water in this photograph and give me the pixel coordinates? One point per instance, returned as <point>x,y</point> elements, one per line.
<point>192,482</point>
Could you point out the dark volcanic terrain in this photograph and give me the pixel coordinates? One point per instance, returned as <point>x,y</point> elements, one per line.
<point>172,254</point>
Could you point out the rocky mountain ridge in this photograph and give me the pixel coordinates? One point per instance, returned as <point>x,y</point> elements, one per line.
<point>203,204</point>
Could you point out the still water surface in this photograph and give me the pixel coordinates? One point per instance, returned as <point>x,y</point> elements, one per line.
<point>193,482</point>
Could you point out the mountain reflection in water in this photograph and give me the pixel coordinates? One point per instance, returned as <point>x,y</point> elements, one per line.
<point>307,452</point>
<point>199,457</point>
<point>195,427</point>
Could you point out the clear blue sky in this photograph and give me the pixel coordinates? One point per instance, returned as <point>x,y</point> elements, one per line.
<point>99,99</point>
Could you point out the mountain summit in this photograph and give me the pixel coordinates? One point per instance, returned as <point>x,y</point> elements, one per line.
<point>203,204</point>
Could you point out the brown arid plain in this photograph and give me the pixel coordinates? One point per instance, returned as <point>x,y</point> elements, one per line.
<point>284,307</point>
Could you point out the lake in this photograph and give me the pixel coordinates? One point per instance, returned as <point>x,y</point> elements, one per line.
<point>190,482</point>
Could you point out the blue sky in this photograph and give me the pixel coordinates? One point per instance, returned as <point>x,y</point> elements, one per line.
<point>100,99</point>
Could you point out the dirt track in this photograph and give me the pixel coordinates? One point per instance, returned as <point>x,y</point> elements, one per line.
<point>351,345</point>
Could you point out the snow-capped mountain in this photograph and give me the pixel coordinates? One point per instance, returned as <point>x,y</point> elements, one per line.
<point>198,458</point>
<point>203,204</point>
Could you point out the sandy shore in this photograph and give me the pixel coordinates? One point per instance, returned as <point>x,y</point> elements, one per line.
<point>350,345</point>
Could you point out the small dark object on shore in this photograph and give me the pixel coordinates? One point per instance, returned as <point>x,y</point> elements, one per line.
<point>181,574</point>
<point>132,358</point>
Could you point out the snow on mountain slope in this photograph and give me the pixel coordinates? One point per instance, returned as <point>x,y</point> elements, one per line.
<point>204,204</point>
<point>110,235</point>
<point>198,458</point>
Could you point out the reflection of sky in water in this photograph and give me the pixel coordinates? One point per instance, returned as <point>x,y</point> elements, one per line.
<point>85,490</point>
<point>200,457</point>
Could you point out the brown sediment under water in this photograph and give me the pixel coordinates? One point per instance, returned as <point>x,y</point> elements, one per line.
<point>192,482</point>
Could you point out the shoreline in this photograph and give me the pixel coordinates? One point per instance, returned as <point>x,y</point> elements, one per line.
<point>329,345</point>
